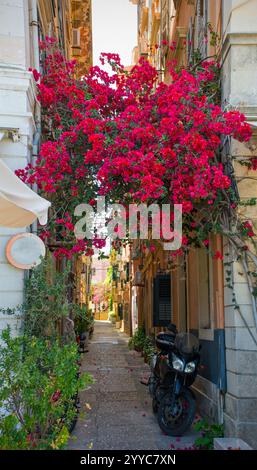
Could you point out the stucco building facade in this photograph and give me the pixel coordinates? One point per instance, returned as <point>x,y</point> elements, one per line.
<point>196,292</point>
<point>23,23</point>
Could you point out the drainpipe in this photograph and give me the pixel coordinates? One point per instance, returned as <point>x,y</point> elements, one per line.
<point>35,149</point>
<point>222,379</point>
<point>34,32</point>
<point>33,17</point>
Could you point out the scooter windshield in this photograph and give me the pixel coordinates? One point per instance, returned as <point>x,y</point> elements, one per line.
<point>186,343</point>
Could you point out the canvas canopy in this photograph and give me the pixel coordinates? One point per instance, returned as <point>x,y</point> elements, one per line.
<point>19,205</point>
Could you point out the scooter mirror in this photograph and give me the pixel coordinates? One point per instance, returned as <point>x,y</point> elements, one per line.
<point>172,327</point>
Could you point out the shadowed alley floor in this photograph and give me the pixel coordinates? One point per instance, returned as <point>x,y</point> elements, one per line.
<point>116,411</point>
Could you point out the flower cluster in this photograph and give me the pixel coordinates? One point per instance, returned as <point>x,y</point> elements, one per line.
<point>132,139</point>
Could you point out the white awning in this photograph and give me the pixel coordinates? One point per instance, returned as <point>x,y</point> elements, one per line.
<point>19,205</point>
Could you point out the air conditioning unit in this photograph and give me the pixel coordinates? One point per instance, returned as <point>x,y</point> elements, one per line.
<point>75,37</point>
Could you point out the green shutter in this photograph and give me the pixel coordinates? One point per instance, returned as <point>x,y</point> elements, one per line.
<point>127,272</point>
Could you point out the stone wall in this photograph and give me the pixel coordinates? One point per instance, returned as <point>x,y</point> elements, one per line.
<point>240,92</point>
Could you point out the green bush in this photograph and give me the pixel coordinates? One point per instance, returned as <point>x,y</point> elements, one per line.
<point>39,382</point>
<point>148,348</point>
<point>138,340</point>
<point>83,319</point>
<point>208,433</point>
<point>112,316</point>
<point>46,302</point>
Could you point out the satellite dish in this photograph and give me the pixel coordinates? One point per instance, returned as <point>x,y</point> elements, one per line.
<point>25,250</point>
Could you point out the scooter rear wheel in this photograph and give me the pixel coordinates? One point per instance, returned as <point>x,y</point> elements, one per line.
<point>175,420</point>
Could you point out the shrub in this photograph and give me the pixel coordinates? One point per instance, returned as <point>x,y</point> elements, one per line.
<point>112,316</point>
<point>39,382</point>
<point>138,339</point>
<point>83,319</point>
<point>45,303</point>
<point>208,433</point>
<point>148,348</point>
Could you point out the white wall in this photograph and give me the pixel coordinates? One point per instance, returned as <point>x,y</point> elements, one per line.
<point>17,102</point>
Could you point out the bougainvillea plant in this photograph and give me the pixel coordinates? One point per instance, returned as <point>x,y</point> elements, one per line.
<point>132,139</point>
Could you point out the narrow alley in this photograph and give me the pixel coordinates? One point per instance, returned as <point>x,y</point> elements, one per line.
<point>128,229</point>
<point>116,411</point>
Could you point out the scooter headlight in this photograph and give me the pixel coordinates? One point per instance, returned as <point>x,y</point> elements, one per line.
<point>177,363</point>
<point>153,361</point>
<point>190,368</point>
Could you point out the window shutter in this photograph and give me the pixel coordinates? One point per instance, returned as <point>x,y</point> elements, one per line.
<point>75,37</point>
<point>127,272</point>
<point>162,314</point>
<point>165,33</point>
<point>202,26</point>
<point>190,41</point>
<point>114,273</point>
<point>120,311</point>
<point>205,27</point>
<point>165,20</point>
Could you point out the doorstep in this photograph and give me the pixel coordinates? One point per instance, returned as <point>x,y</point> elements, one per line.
<point>230,443</point>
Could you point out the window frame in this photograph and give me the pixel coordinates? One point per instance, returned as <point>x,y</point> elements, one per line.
<point>207,333</point>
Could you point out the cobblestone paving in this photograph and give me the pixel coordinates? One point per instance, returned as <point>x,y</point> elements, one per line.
<point>116,410</point>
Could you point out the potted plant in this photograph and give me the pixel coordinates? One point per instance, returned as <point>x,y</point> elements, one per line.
<point>90,323</point>
<point>112,317</point>
<point>137,340</point>
<point>84,325</point>
<point>82,335</point>
<point>148,349</point>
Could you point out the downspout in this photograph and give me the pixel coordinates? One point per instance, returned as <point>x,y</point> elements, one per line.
<point>222,378</point>
<point>34,33</point>
<point>35,150</point>
<point>36,63</point>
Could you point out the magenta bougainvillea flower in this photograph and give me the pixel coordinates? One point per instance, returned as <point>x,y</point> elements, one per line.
<point>130,138</point>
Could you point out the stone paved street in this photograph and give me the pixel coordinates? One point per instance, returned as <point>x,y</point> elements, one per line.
<point>116,411</point>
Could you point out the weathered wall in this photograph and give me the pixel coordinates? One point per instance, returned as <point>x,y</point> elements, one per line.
<point>17,102</point>
<point>240,91</point>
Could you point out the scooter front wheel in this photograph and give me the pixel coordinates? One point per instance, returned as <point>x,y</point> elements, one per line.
<point>154,405</point>
<point>175,418</point>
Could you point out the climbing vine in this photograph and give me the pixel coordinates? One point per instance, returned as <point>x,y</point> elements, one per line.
<point>127,137</point>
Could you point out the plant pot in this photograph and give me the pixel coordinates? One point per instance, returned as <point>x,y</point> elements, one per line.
<point>146,358</point>
<point>75,419</point>
<point>90,332</point>
<point>83,341</point>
